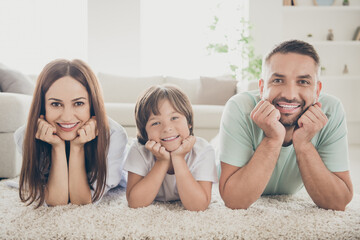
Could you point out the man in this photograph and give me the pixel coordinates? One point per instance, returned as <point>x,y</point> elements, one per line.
<point>286,135</point>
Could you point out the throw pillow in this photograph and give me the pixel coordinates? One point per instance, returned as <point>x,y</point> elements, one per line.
<point>215,91</point>
<point>125,89</point>
<point>14,81</point>
<point>188,86</point>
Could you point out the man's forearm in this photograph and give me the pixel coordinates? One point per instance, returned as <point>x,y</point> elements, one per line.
<point>326,189</point>
<point>247,184</point>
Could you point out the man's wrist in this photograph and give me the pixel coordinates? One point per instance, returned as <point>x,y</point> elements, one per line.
<point>273,142</point>
<point>302,146</point>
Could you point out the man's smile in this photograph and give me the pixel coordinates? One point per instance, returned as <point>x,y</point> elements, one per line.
<point>288,108</point>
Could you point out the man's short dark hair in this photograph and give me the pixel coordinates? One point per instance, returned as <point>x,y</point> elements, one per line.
<point>294,46</point>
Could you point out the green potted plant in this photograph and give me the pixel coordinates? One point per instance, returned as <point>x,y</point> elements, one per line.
<point>243,64</point>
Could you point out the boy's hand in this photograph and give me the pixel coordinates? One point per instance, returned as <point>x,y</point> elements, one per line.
<point>311,122</point>
<point>185,147</point>
<point>159,151</point>
<point>86,133</point>
<point>47,133</point>
<point>267,117</point>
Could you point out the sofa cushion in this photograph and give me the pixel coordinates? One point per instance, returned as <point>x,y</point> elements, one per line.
<point>189,86</point>
<point>125,89</point>
<point>14,81</point>
<point>215,91</point>
<point>14,109</point>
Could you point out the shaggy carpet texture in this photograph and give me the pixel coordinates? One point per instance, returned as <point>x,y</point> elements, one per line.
<point>275,217</point>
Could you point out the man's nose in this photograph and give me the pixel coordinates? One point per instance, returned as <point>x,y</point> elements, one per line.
<point>290,91</point>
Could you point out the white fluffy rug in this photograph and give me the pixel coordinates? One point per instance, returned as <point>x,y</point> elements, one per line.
<point>277,217</point>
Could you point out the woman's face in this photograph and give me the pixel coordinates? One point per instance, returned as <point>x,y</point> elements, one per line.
<point>67,107</point>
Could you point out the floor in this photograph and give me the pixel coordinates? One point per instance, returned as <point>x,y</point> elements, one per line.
<point>354,154</point>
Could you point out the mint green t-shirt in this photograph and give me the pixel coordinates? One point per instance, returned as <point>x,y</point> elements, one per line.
<point>240,136</point>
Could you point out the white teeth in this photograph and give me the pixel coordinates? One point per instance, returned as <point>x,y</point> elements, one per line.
<point>288,106</point>
<point>67,125</point>
<point>170,138</point>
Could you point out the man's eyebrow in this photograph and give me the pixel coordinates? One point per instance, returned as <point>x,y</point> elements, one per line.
<point>307,76</point>
<point>277,75</point>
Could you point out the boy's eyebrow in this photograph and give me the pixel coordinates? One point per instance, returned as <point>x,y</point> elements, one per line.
<point>152,118</point>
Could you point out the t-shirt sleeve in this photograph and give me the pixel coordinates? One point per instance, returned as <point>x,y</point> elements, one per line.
<point>236,130</point>
<point>333,144</point>
<point>135,161</point>
<point>204,167</point>
<point>19,138</point>
<point>115,158</point>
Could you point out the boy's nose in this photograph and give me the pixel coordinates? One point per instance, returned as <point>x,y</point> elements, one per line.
<point>167,127</point>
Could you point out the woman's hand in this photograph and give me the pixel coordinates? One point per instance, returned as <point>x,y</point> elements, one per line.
<point>47,133</point>
<point>86,133</point>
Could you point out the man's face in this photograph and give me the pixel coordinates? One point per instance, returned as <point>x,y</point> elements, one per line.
<point>290,85</point>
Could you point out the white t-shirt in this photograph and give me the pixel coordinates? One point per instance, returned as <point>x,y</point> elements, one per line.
<point>115,158</point>
<point>200,160</point>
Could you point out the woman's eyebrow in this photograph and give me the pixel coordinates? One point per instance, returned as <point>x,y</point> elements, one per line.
<point>79,98</point>
<point>55,99</point>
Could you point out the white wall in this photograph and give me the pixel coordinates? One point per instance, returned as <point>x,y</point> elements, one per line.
<point>32,33</point>
<point>114,36</point>
<point>266,24</point>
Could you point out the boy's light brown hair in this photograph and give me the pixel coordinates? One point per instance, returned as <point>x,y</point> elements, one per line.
<point>148,102</point>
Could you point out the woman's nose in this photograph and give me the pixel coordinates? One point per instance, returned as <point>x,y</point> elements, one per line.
<point>67,114</point>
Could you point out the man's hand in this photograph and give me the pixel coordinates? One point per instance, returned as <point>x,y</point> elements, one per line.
<point>159,151</point>
<point>86,133</point>
<point>185,147</point>
<point>47,133</point>
<point>267,117</point>
<point>311,122</point>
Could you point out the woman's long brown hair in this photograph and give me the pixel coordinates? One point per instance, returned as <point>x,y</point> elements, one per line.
<point>37,154</point>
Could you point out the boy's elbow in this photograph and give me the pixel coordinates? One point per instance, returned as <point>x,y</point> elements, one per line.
<point>197,208</point>
<point>237,205</point>
<point>131,204</point>
<point>202,206</point>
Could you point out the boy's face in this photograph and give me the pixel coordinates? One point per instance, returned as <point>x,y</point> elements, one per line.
<point>290,85</point>
<point>169,128</point>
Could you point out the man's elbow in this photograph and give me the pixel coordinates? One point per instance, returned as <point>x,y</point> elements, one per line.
<point>337,205</point>
<point>234,202</point>
<point>238,204</point>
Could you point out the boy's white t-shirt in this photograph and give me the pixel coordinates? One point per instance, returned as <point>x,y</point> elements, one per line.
<point>200,160</point>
